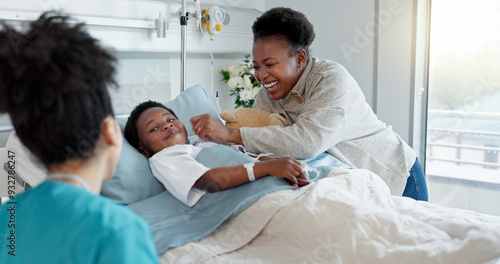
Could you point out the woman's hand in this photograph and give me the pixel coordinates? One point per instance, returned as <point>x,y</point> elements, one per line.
<point>288,168</point>
<point>208,127</point>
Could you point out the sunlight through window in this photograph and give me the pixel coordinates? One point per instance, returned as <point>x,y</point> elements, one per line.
<point>463,124</point>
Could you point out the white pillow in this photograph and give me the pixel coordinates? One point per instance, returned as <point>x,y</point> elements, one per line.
<point>27,165</point>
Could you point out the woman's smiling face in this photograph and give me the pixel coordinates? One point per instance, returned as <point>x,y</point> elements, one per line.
<point>274,68</point>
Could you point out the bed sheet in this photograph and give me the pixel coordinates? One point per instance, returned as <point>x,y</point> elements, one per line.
<point>348,217</point>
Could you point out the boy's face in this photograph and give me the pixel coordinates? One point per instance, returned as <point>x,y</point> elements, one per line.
<point>158,129</point>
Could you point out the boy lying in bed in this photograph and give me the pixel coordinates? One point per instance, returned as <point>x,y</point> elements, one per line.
<point>155,131</point>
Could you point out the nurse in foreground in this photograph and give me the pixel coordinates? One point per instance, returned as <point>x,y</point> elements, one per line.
<point>53,85</point>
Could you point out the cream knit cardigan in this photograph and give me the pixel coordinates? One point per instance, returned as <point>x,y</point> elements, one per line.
<point>327,111</point>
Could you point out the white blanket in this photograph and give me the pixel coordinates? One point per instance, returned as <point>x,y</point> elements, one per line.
<point>349,217</point>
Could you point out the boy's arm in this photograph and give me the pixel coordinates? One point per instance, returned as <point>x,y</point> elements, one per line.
<point>228,177</point>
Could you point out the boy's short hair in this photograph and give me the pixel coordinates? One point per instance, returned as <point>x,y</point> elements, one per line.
<point>130,133</point>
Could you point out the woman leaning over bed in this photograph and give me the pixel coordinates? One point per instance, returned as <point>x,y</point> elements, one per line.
<point>324,107</point>
<point>53,85</point>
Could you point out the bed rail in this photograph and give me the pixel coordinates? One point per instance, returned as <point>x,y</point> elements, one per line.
<point>9,128</point>
<point>89,20</point>
<point>6,128</point>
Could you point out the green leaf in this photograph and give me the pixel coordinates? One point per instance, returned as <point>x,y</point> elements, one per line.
<point>247,58</point>
<point>225,75</point>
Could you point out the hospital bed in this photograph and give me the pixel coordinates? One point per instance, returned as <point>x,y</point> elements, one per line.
<point>344,216</point>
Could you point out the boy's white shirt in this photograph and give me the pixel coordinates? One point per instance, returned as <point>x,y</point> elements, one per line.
<point>178,170</point>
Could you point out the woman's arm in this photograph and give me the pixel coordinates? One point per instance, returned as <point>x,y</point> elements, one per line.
<point>333,110</point>
<point>228,177</point>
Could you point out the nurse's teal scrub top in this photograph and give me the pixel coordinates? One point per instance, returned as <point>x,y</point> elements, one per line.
<point>56,222</point>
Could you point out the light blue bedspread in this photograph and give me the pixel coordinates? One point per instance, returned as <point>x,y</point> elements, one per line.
<point>174,224</point>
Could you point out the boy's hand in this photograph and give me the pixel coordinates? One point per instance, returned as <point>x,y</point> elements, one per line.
<point>208,127</point>
<point>288,168</point>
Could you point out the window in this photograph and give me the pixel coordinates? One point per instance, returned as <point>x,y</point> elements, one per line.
<point>463,117</point>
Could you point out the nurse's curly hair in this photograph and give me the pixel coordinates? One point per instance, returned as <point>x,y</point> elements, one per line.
<point>130,132</point>
<point>283,21</point>
<point>53,85</point>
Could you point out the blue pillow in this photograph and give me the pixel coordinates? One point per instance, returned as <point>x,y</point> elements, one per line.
<point>133,180</point>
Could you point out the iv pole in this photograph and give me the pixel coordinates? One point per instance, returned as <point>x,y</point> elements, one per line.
<point>183,20</point>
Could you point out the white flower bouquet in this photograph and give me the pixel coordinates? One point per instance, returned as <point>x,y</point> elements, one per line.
<point>241,82</point>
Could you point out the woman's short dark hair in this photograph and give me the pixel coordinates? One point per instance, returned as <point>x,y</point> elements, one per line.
<point>130,133</point>
<point>283,21</point>
<point>53,85</point>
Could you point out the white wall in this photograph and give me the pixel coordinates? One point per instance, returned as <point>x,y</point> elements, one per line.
<point>149,67</point>
<point>374,41</point>
<point>395,65</point>
<point>336,24</point>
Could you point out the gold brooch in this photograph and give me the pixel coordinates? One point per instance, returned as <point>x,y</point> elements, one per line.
<point>296,97</point>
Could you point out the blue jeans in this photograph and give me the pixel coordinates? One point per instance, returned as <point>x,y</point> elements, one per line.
<point>416,187</point>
